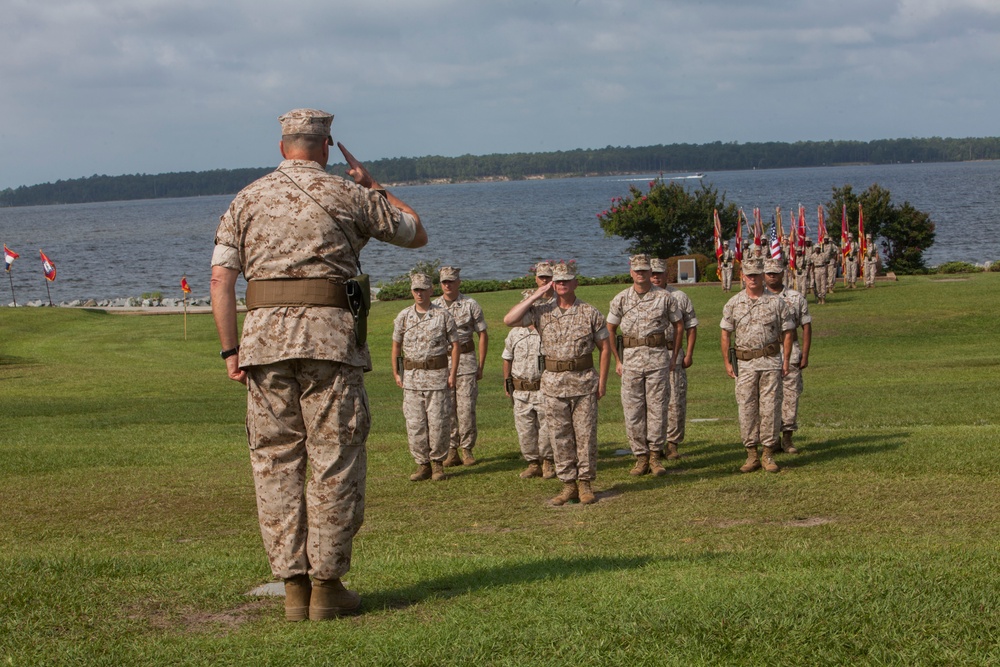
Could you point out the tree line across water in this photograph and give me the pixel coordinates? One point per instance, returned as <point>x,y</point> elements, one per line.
<point>673,158</point>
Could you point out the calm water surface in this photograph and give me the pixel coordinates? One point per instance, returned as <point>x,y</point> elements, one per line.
<point>491,230</point>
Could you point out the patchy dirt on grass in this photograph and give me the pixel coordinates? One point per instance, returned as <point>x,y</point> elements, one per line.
<point>189,620</point>
<point>807,522</point>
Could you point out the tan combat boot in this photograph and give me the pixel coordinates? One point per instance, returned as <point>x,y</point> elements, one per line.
<point>437,471</point>
<point>467,458</point>
<point>422,472</point>
<point>786,443</point>
<point>655,466</point>
<point>452,459</point>
<point>672,451</point>
<point>330,599</point>
<point>534,469</point>
<point>768,460</point>
<point>585,492</point>
<point>297,592</point>
<point>548,469</point>
<point>567,494</point>
<point>641,466</point>
<point>753,460</point>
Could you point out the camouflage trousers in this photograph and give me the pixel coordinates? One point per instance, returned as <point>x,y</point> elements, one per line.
<point>758,397</point>
<point>800,282</point>
<point>851,270</point>
<point>645,395</point>
<point>727,279</point>
<point>532,430</point>
<point>870,270</point>
<point>831,276</point>
<point>463,412</point>
<point>820,278</point>
<point>791,389</point>
<point>677,403</point>
<point>572,424</point>
<point>303,411</point>
<point>428,420</point>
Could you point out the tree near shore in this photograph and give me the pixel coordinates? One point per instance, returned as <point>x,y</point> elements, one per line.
<point>669,220</point>
<point>904,231</point>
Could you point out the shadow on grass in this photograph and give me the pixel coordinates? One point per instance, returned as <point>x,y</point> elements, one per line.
<point>504,575</point>
<point>724,460</point>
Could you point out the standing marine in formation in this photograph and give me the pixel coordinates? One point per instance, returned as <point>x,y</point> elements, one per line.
<point>570,330</point>
<point>756,342</point>
<point>425,354</point>
<point>726,263</point>
<point>871,261</point>
<point>645,325</point>
<point>470,321</point>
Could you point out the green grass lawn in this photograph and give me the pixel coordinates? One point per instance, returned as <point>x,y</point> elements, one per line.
<point>128,531</point>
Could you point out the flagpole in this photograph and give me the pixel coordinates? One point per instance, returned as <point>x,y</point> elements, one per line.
<point>12,287</point>
<point>185,316</point>
<point>48,291</point>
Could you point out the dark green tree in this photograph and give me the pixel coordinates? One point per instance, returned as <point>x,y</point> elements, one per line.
<point>669,220</point>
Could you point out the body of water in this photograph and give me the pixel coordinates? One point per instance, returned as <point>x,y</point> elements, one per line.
<point>491,230</point>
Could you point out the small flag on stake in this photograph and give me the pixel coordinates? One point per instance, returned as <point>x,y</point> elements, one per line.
<point>48,268</point>
<point>9,256</point>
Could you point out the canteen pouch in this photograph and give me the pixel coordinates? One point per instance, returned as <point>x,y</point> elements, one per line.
<point>620,345</point>
<point>541,362</point>
<point>399,366</point>
<point>733,361</point>
<point>359,300</point>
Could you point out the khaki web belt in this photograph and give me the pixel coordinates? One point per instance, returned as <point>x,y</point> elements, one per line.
<point>296,292</point>
<point>526,385</point>
<point>652,340</point>
<point>432,364</point>
<point>766,351</point>
<point>581,363</point>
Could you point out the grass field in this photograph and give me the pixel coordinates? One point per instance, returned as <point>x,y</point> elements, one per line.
<point>128,530</point>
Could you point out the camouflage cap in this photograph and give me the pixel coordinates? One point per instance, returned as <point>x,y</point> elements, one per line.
<point>753,267</point>
<point>306,121</point>
<point>543,270</point>
<point>774,265</point>
<point>657,265</point>
<point>448,273</point>
<point>563,271</point>
<point>420,281</point>
<point>639,262</point>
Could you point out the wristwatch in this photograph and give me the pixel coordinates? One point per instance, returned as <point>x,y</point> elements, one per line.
<point>225,354</point>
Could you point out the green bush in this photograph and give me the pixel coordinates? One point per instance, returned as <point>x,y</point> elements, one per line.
<point>994,267</point>
<point>959,267</point>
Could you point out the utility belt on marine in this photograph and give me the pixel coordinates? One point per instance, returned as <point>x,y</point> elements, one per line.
<point>520,384</point>
<point>429,364</point>
<point>466,347</point>
<point>746,355</point>
<point>353,295</point>
<point>581,363</point>
<point>652,340</point>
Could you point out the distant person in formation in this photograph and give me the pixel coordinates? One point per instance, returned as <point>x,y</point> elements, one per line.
<point>570,330</point>
<point>759,324</point>
<point>726,263</point>
<point>800,274</point>
<point>425,355</point>
<point>818,262</point>
<point>644,324</point>
<point>522,384</point>
<point>295,235</point>
<point>871,261</point>
<point>798,308</point>
<point>677,405</point>
<point>851,263</point>
<point>832,251</point>
<point>543,273</point>
<point>470,322</point>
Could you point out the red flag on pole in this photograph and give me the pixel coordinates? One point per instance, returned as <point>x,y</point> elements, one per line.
<point>717,234</point>
<point>9,256</point>
<point>739,236</point>
<point>48,268</point>
<point>758,228</point>
<point>862,241</point>
<point>184,285</point>
<point>821,224</point>
<point>803,234</point>
<point>792,244</point>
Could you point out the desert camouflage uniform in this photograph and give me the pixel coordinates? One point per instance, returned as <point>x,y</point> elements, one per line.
<point>818,261</point>
<point>645,387</point>
<point>851,267</point>
<point>469,320</point>
<point>798,308</point>
<point>757,323</point>
<point>427,402</point>
<point>871,265</point>
<point>306,399</point>
<point>522,348</point>
<point>570,396</point>
<point>833,255</point>
<point>677,405</point>
<point>726,265</point>
<point>800,275</point>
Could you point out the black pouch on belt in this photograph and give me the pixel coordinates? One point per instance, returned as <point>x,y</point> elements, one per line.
<point>359,299</point>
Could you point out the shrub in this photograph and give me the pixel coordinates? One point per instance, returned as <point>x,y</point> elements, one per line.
<point>959,267</point>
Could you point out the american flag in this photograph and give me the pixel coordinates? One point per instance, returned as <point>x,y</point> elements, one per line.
<point>775,243</point>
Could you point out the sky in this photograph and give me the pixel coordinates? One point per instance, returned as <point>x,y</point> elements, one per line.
<point>151,86</point>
